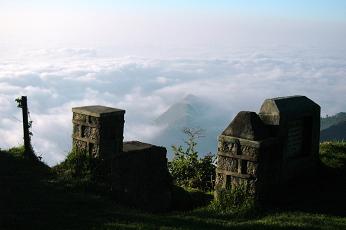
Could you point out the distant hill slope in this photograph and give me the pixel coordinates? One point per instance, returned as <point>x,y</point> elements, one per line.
<point>183,112</point>
<point>334,133</point>
<point>329,121</point>
<point>190,112</point>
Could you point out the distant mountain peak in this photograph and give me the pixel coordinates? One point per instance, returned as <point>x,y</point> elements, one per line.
<point>181,112</point>
<point>191,98</point>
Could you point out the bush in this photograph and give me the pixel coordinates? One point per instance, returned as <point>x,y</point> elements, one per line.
<point>81,171</point>
<point>333,154</point>
<point>235,200</point>
<point>187,169</point>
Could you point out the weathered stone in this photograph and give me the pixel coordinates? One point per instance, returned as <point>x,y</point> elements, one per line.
<point>220,181</point>
<point>137,171</point>
<point>101,128</point>
<point>94,120</point>
<point>80,144</point>
<point>279,144</point>
<point>225,163</point>
<point>249,151</point>
<point>247,125</point>
<point>76,130</point>
<point>94,150</point>
<point>141,177</point>
<point>296,122</point>
<point>251,168</point>
<point>79,117</point>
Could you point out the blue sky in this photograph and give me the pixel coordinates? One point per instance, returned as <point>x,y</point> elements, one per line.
<point>309,9</point>
<point>170,24</point>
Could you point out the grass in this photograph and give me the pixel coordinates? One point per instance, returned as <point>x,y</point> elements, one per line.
<point>332,154</point>
<point>32,197</point>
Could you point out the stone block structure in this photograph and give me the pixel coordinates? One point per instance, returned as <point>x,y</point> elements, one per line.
<point>296,122</point>
<point>262,151</point>
<point>136,172</point>
<point>141,177</point>
<point>98,130</point>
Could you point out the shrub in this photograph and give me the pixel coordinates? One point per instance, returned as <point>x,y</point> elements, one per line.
<point>187,169</point>
<point>81,171</point>
<point>235,200</point>
<point>333,154</point>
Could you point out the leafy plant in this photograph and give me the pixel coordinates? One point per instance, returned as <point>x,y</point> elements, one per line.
<point>81,171</point>
<point>236,200</point>
<point>333,154</point>
<point>187,169</point>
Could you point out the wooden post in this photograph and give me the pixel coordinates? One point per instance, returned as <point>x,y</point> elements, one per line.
<point>27,144</point>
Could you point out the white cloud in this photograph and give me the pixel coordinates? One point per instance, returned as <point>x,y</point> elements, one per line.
<point>162,80</point>
<point>57,80</point>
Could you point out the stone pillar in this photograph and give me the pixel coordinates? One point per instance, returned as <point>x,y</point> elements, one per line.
<point>98,130</point>
<point>246,157</point>
<point>295,120</point>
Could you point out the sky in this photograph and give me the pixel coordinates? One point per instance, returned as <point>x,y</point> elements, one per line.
<point>139,27</point>
<point>145,55</point>
<point>302,8</point>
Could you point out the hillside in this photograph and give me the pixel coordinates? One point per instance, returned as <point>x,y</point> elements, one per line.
<point>190,112</point>
<point>183,112</point>
<point>31,197</point>
<point>329,121</point>
<point>335,132</point>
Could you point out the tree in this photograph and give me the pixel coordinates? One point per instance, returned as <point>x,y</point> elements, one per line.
<point>187,169</point>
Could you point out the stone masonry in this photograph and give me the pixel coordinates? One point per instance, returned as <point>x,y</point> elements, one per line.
<point>98,130</point>
<point>138,173</point>
<point>262,151</point>
<point>241,161</point>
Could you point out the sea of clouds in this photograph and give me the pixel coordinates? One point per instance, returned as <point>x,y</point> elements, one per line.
<point>55,80</point>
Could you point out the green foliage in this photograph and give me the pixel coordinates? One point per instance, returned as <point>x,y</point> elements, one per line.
<point>17,151</point>
<point>77,165</point>
<point>333,154</point>
<point>236,200</point>
<point>187,169</point>
<point>18,100</point>
<point>82,172</point>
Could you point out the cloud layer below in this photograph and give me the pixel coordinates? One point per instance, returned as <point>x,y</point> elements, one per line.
<point>59,79</point>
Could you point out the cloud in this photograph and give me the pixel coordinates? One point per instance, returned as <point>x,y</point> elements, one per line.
<point>57,80</point>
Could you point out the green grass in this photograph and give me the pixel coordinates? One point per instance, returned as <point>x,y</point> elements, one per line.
<point>333,154</point>
<point>32,197</point>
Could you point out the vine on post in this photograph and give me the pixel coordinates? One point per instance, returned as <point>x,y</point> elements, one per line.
<point>23,104</point>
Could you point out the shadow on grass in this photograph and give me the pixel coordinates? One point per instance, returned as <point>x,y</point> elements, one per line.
<point>31,198</point>
<point>187,200</point>
<point>323,190</point>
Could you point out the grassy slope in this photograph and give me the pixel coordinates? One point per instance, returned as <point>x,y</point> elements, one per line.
<point>31,198</point>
